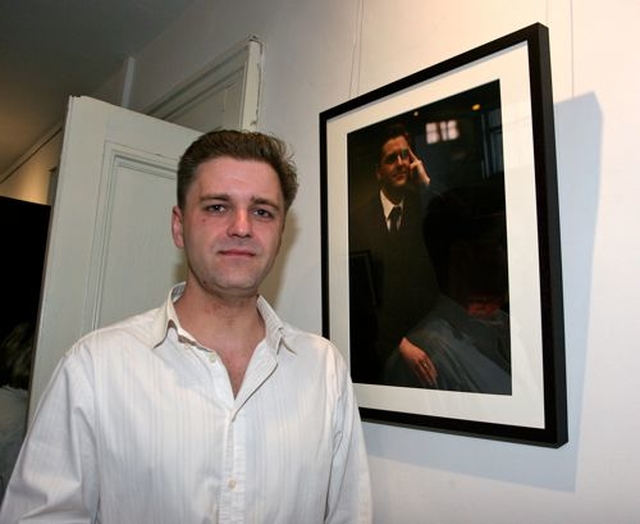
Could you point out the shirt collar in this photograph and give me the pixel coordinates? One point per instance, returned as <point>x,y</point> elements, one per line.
<point>387,205</point>
<point>167,320</point>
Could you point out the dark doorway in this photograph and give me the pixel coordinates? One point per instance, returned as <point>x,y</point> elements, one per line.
<point>23,241</point>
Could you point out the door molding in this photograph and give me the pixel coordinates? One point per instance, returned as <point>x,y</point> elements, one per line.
<point>239,67</point>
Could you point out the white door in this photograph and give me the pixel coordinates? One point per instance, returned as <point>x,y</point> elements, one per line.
<point>110,250</point>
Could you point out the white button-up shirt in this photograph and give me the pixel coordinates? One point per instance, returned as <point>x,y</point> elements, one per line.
<point>139,425</point>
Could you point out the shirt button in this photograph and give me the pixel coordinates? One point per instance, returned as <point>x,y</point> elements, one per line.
<point>212,357</point>
<point>231,483</point>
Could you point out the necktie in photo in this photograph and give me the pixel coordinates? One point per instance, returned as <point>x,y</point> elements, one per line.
<point>394,219</point>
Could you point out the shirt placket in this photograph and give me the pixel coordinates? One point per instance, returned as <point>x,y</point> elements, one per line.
<point>231,504</point>
<point>234,469</point>
<point>234,488</point>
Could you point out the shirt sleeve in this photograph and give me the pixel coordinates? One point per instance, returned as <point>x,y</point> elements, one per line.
<point>55,479</point>
<point>349,495</point>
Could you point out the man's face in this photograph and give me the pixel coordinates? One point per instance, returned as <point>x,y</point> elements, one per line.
<point>231,225</point>
<point>393,170</point>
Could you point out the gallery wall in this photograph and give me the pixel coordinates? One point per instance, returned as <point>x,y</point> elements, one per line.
<point>320,54</point>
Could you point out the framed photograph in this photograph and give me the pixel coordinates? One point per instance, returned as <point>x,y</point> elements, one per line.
<point>441,245</point>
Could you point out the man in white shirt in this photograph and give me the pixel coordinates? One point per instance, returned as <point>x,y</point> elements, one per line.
<point>209,409</point>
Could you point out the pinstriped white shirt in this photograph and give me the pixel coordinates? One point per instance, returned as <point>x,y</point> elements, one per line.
<point>139,425</point>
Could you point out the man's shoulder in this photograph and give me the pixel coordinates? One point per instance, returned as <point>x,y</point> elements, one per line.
<point>366,220</point>
<point>138,328</point>
<point>124,346</point>
<point>294,334</point>
<point>310,344</point>
<point>371,204</point>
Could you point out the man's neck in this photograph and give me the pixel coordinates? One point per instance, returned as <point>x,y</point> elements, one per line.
<point>210,317</point>
<point>394,197</point>
<point>230,326</point>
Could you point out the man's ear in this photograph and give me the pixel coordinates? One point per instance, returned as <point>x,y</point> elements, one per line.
<point>177,227</point>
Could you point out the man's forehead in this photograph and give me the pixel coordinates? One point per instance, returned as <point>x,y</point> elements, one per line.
<point>397,142</point>
<point>234,168</point>
<point>228,161</point>
<point>227,175</point>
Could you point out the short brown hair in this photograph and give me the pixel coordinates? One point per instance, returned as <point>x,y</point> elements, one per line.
<point>241,145</point>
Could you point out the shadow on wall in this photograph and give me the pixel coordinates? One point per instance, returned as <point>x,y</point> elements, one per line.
<point>273,283</point>
<point>578,127</point>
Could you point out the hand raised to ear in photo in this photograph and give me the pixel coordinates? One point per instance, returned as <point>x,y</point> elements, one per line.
<point>418,170</point>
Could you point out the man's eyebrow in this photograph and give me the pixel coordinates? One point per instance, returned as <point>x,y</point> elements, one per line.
<point>265,202</point>
<point>225,197</point>
<point>215,196</point>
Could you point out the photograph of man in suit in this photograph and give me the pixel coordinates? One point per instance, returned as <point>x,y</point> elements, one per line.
<point>405,329</point>
<point>386,237</point>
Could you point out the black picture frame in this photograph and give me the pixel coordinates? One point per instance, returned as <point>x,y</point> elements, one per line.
<point>482,123</point>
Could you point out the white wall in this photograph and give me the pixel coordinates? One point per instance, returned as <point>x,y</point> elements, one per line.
<point>316,57</point>
<point>30,177</point>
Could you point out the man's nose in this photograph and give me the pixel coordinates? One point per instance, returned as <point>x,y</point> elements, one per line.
<point>399,158</point>
<point>240,224</point>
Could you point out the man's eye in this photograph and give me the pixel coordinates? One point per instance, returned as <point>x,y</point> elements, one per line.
<point>391,158</point>
<point>263,213</point>
<point>215,208</point>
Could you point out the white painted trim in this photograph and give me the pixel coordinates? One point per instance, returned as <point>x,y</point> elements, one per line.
<point>129,67</point>
<point>246,56</point>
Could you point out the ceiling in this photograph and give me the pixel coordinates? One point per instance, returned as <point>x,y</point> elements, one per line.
<point>51,49</point>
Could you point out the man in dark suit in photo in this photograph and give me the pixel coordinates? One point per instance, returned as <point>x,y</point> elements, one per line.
<point>393,283</point>
<point>404,331</point>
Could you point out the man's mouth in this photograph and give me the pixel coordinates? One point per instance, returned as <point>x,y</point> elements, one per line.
<point>400,175</point>
<point>237,252</point>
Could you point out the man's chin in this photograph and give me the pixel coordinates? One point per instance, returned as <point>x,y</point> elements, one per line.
<point>400,183</point>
